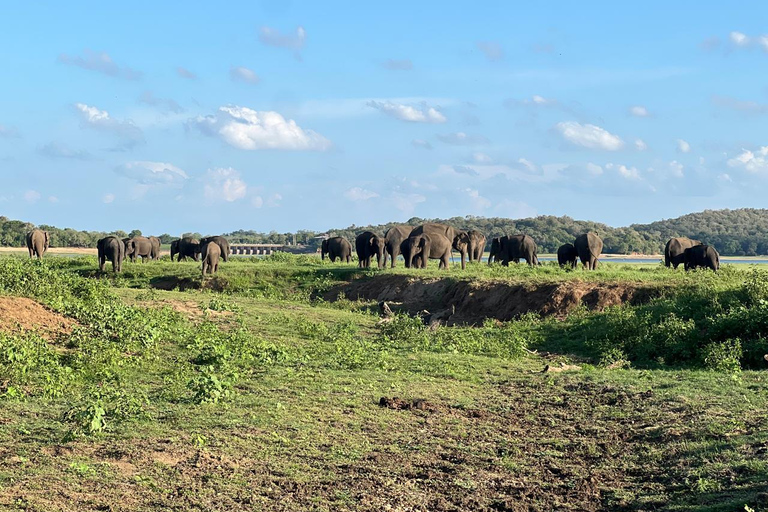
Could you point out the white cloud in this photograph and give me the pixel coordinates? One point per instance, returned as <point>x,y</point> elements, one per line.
<point>421,114</point>
<point>32,196</point>
<point>224,184</point>
<point>359,194</point>
<point>514,209</point>
<point>478,202</point>
<point>683,146</point>
<point>738,38</point>
<point>421,143</point>
<point>594,169</point>
<point>405,202</point>
<point>185,73</point>
<point>462,139</point>
<point>751,162</point>
<point>676,169</point>
<point>243,74</point>
<point>53,199</point>
<point>750,107</point>
<point>589,136</point>
<point>528,165</point>
<point>249,129</point>
<point>273,37</point>
<point>639,111</point>
<point>481,158</point>
<point>491,49</point>
<point>153,173</point>
<point>100,62</point>
<point>398,65</point>
<point>108,198</point>
<point>629,173</point>
<point>257,202</point>
<point>273,201</point>
<point>640,145</point>
<point>97,119</point>
<point>725,177</point>
<point>540,100</point>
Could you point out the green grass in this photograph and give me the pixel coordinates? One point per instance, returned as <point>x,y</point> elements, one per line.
<point>263,398</point>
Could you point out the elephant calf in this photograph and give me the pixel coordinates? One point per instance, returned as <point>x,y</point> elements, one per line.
<point>567,255</point>
<point>111,248</point>
<point>674,251</point>
<point>211,254</point>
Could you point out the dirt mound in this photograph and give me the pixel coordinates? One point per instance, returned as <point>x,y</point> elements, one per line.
<point>22,314</point>
<point>471,302</point>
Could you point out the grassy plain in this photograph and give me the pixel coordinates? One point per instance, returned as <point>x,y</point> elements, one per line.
<point>253,394</point>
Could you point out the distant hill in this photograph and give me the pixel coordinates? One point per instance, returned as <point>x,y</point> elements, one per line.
<point>742,232</point>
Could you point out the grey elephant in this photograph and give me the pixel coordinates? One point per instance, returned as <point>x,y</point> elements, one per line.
<point>674,252</point>
<point>589,246</point>
<point>704,256</point>
<point>459,239</point>
<point>184,248</point>
<point>493,253</point>
<point>211,252</point>
<point>222,242</point>
<point>38,242</point>
<point>156,243</point>
<point>422,248</point>
<point>368,245</point>
<point>567,255</point>
<point>477,242</point>
<point>336,247</point>
<point>111,249</point>
<point>393,240</point>
<point>138,246</point>
<point>513,248</point>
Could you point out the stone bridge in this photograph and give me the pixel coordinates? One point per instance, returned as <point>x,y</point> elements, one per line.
<point>266,249</point>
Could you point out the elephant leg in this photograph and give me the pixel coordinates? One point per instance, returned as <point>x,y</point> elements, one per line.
<point>394,256</point>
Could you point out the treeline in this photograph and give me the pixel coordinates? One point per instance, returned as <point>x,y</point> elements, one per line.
<point>742,232</point>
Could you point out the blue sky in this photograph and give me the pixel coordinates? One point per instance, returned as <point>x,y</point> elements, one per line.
<point>310,115</point>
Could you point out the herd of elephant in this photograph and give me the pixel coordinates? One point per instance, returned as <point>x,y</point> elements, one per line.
<point>417,245</point>
<point>434,241</point>
<point>112,249</point>
<point>438,241</point>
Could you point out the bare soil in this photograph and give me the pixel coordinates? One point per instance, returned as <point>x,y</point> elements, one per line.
<point>471,302</point>
<point>20,314</point>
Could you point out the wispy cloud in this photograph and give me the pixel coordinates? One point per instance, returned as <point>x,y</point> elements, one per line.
<point>639,111</point>
<point>164,104</point>
<point>421,143</point>
<point>462,139</point>
<point>153,173</point>
<point>100,120</point>
<point>748,107</point>
<point>56,150</point>
<point>415,114</point>
<point>491,49</point>
<point>292,41</point>
<point>224,185</point>
<point>398,64</point>
<point>243,74</point>
<point>185,73</point>
<point>100,62</point>
<point>8,132</point>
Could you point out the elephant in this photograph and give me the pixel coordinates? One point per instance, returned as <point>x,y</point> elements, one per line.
<point>393,239</point>
<point>222,242</point>
<point>512,248</point>
<point>184,248</point>
<point>567,255</point>
<point>368,245</point>
<point>493,254</point>
<point>113,249</point>
<point>156,243</point>
<point>422,248</point>
<point>459,239</point>
<point>674,252</point>
<point>336,247</point>
<point>138,246</point>
<point>211,253</point>
<point>589,246</point>
<point>38,242</point>
<point>477,240</point>
<point>701,255</point>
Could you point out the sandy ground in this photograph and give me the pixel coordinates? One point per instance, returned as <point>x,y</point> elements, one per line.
<point>60,250</point>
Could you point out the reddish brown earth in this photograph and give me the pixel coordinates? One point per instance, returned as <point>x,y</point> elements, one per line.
<point>21,314</point>
<point>474,301</point>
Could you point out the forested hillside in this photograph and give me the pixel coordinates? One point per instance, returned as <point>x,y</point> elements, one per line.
<point>742,232</point>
